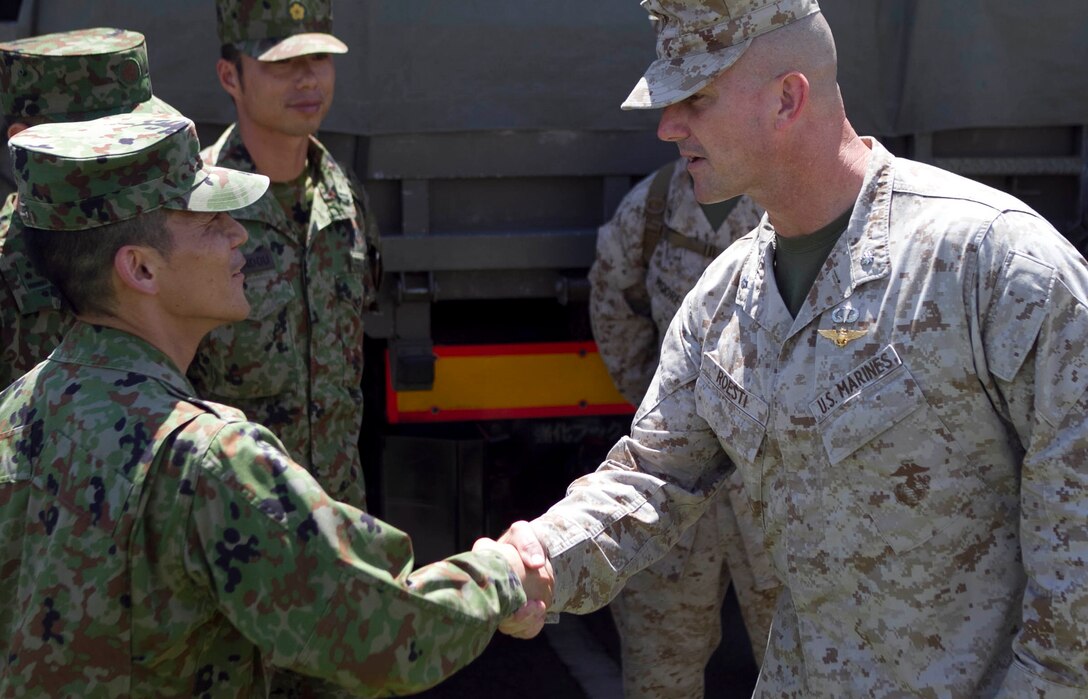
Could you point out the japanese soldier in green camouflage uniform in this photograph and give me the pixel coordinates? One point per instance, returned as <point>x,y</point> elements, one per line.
<point>153,544</point>
<point>68,76</point>
<point>295,364</point>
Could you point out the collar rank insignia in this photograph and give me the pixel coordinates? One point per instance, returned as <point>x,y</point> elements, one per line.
<point>841,336</point>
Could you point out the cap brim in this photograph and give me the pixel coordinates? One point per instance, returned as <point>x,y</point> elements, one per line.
<point>155,106</point>
<point>670,80</point>
<point>221,189</point>
<point>300,45</point>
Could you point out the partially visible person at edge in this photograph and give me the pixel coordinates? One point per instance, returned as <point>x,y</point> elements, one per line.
<point>669,615</point>
<point>895,364</point>
<point>67,76</point>
<point>296,364</point>
<point>154,544</point>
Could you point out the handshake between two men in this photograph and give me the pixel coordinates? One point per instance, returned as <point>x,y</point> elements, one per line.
<point>529,561</point>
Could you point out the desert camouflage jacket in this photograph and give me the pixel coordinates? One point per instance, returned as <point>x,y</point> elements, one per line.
<point>32,316</point>
<point>154,545</point>
<point>296,364</point>
<point>628,338</point>
<point>915,444</point>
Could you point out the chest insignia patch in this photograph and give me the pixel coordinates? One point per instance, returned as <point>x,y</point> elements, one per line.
<point>260,260</point>
<point>841,336</point>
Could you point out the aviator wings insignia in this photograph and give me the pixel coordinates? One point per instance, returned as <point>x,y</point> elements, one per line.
<point>841,336</point>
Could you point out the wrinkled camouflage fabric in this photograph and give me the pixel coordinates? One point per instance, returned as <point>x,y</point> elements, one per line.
<point>668,616</point>
<point>296,364</point>
<point>274,30</point>
<point>79,175</point>
<point>922,487</point>
<point>697,39</point>
<point>33,319</point>
<point>154,545</point>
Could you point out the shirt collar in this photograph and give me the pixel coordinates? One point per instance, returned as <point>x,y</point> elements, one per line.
<point>860,255</point>
<point>102,347</point>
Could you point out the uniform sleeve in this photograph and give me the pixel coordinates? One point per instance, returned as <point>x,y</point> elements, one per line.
<point>367,224</point>
<point>1035,337</point>
<point>626,337</point>
<point>326,590</point>
<point>651,487</point>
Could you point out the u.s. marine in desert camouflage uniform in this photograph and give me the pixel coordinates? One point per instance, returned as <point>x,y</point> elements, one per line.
<point>67,76</point>
<point>913,434</point>
<point>668,616</point>
<point>296,364</point>
<point>153,544</point>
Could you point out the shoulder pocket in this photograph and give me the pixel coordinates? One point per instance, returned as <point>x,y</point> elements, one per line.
<point>1017,313</point>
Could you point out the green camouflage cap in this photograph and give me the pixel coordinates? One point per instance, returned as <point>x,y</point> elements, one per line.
<point>77,75</point>
<point>78,175</point>
<point>275,30</point>
<point>697,39</point>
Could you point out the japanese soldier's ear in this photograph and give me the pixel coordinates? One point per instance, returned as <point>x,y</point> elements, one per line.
<point>228,77</point>
<point>793,90</point>
<point>137,268</point>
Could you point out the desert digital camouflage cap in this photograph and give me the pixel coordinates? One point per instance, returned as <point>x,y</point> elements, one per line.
<point>274,30</point>
<point>697,39</point>
<point>78,175</point>
<point>71,76</point>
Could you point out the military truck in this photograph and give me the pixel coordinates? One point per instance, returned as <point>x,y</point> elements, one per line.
<point>489,137</point>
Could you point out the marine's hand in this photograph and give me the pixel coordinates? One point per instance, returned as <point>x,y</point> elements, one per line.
<point>540,580</point>
<point>535,570</point>
<point>527,621</point>
<point>521,536</point>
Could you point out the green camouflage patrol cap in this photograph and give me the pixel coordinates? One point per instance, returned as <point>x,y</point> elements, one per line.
<point>77,75</point>
<point>697,39</point>
<point>275,30</point>
<point>77,175</point>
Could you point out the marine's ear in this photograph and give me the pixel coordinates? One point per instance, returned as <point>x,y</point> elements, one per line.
<point>793,95</point>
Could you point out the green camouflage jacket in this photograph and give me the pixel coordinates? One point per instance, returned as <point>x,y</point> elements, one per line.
<point>296,364</point>
<point>32,316</point>
<point>155,545</point>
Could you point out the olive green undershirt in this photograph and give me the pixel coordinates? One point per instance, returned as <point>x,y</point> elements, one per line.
<point>717,213</point>
<point>797,261</point>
